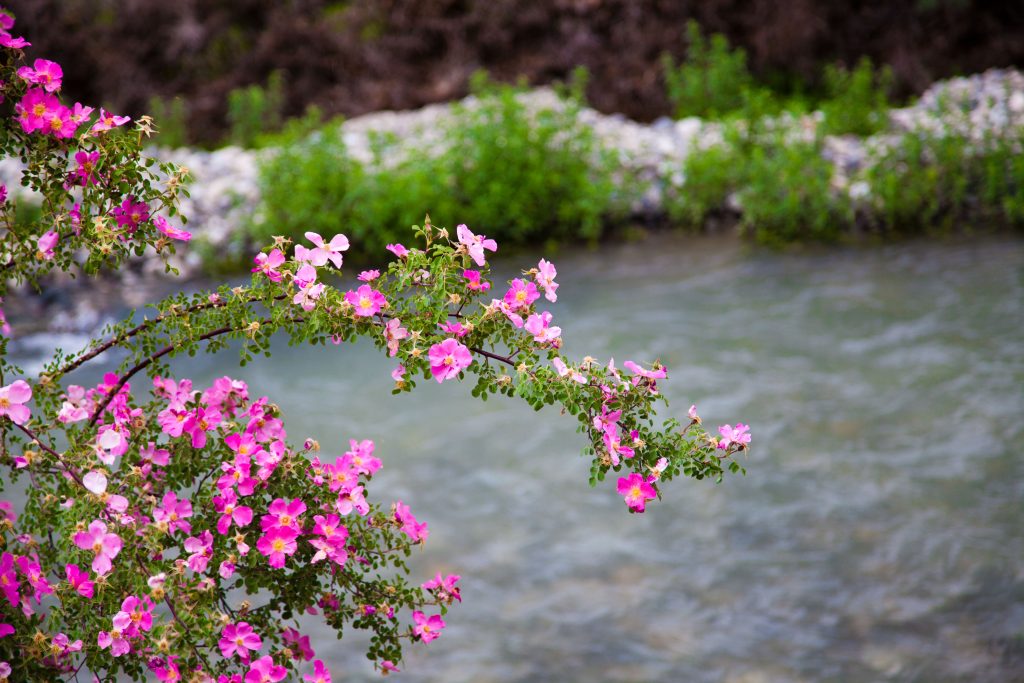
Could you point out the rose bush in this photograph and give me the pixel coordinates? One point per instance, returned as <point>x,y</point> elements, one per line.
<point>173,531</point>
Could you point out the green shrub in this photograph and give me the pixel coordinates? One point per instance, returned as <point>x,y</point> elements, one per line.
<point>788,195</point>
<point>856,102</point>
<point>514,174</point>
<point>171,116</point>
<point>255,111</point>
<point>710,175</point>
<point>711,81</point>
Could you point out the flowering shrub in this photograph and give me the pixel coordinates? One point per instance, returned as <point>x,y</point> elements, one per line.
<point>174,531</point>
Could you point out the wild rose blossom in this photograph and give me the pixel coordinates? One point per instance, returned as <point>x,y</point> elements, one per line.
<point>545,277</point>
<point>263,670</point>
<point>326,251</point>
<point>564,370</point>
<point>79,580</point>
<point>739,435</point>
<point>13,398</point>
<point>448,359</point>
<point>412,528</point>
<point>320,673</point>
<point>230,511</point>
<point>473,281</point>
<point>269,263</point>
<point>394,333</point>
<point>201,549</point>
<point>366,301</point>
<point>475,244</point>
<point>43,72</point>
<point>130,214</point>
<point>368,275</point>
<point>298,644</point>
<point>521,295</point>
<point>108,121</point>
<point>397,249</point>
<point>169,230</point>
<point>539,325</point>
<point>239,639</point>
<point>637,490</point>
<point>398,373</point>
<point>444,588</point>
<point>427,628</point>
<point>277,544</point>
<point>172,513</point>
<point>84,174</point>
<point>104,545</point>
<point>284,515</point>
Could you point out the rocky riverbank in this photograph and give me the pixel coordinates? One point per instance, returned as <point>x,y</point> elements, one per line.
<point>225,194</point>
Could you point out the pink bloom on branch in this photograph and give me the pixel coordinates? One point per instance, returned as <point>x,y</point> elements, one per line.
<point>473,281</point>
<point>448,359</point>
<point>263,670</point>
<point>661,372</point>
<point>521,295</point>
<point>455,328</point>
<point>539,326</point>
<point>105,546</point>
<point>84,174</point>
<point>230,511</point>
<point>7,40</point>
<point>298,644</point>
<point>284,515</point>
<point>368,275</point>
<point>398,373</point>
<point>393,333</point>
<point>277,544</point>
<point>79,580</point>
<point>9,579</point>
<point>739,435</point>
<point>545,277</point>
<point>427,628</point>
<point>415,530</point>
<point>326,251</point>
<point>366,300</point>
<point>43,72</point>
<point>173,512</point>
<point>13,398</point>
<point>351,498</point>
<point>444,587</point>
<point>239,639</point>
<point>564,370</point>
<point>692,413</point>
<point>397,249</point>
<point>637,491</point>
<point>201,548</point>
<point>35,109</point>
<point>475,244</point>
<point>320,673</point>
<point>269,263</point>
<point>387,666</point>
<point>169,230</point>
<point>108,121</point>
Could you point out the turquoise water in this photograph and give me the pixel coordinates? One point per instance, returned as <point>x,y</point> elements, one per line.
<point>877,535</point>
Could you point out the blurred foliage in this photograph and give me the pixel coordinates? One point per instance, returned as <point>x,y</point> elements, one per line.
<point>512,172</point>
<point>857,101</point>
<point>255,111</point>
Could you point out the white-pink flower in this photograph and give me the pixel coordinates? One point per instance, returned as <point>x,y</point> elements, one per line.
<point>326,251</point>
<point>448,359</point>
<point>545,277</point>
<point>475,244</point>
<point>13,398</point>
<point>105,546</point>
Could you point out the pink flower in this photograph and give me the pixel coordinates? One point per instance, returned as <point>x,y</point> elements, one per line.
<point>539,327</point>
<point>444,587</point>
<point>614,445</point>
<point>198,423</point>
<point>661,372</point>
<point>361,453</point>
<point>475,244</point>
<point>448,359</point>
<point>86,168</point>
<point>637,491</point>
<point>269,263</point>
<point>307,296</point>
<point>105,546</point>
<point>521,295</point>
<point>351,498</point>
<point>692,413</point>
<point>284,515</point>
<point>108,121</point>
<point>45,73</point>
<point>116,641</point>
<point>31,570</point>
<point>427,628</point>
<point>230,511</point>
<point>474,283</point>
<point>9,579</point>
<point>13,398</point>
<point>35,109</point>
<point>170,231</point>
<point>366,300</point>
<point>320,673</point>
<point>298,644</point>
<point>263,670</point>
<point>130,214</point>
<point>278,543</point>
<point>173,513</point>
<point>659,467</point>
<point>564,370</point>
<point>398,373</point>
<point>239,639</point>
<point>738,435</point>
<point>168,671</point>
<point>397,249</point>
<point>368,275</point>
<point>326,251</point>
<point>455,328</point>
<point>201,548</point>
<point>135,616</point>
<point>14,43</point>
<point>79,580</point>
<point>387,666</point>
<point>45,245</point>
<point>415,530</point>
<point>545,277</point>
<point>393,333</point>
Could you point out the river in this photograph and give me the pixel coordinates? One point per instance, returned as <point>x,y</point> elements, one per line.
<point>877,535</point>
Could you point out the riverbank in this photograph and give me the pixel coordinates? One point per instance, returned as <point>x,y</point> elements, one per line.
<point>689,172</point>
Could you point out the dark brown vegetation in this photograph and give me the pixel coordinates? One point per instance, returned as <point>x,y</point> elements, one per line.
<point>364,55</point>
